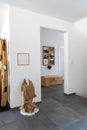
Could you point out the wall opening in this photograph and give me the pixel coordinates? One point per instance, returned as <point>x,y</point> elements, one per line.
<point>59,40</point>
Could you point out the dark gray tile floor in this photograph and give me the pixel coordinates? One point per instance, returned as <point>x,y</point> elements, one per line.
<point>57,112</point>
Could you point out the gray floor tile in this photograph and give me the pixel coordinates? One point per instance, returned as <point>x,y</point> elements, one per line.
<point>80,125</point>
<point>57,112</point>
<point>1,123</point>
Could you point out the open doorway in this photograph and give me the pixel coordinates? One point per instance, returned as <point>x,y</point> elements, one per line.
<point>52,39</point>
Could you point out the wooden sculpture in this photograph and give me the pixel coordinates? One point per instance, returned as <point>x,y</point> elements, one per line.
<point>28,93</point>
<point>3,73</point>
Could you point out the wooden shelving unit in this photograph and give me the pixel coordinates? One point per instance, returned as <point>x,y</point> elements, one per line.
<point>3,73</point>
<point>48,55</point>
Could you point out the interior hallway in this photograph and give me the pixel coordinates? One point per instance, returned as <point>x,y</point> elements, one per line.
<point>57,112</point>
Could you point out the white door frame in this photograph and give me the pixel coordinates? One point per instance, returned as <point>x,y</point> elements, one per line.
<point>60,46</point>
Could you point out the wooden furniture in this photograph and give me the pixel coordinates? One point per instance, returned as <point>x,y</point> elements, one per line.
<point>3,73</point>
<point>48,55</point>
<point>51,80</point>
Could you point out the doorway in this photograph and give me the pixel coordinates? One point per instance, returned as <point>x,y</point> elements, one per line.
<point>53,38</point>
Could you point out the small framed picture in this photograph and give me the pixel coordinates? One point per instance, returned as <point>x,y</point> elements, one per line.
<point>23,59</point>
<point>45,61</point>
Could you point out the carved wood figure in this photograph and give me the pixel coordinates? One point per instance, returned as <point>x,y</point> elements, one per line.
<point>28,93</point>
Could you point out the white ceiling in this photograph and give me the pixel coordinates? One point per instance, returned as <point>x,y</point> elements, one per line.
<point>70,10</point>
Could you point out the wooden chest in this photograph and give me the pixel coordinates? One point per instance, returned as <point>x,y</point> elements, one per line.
<point>51,80</point>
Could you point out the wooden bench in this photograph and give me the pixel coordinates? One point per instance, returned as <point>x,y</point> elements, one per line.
<point>51,80</point>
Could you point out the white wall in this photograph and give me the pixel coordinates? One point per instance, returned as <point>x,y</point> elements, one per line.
<point>82,68</point>
<point>52,38</point>
<point>5,28</point>
<point>25,37</point>
<point>82,26</point>
<point>61,60</point>
<point>23,30</point>
<point>3,12</point>
<point>77,63</point>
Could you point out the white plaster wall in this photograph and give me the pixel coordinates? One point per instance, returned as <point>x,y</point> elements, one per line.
<point>61,60</point>
<point>82,26</point>
<point>23,40</point>
<point>25,37</point>
<point>77,62</point>
<point>52,38</point>
<point>5,28</point>
<point>3,14</point>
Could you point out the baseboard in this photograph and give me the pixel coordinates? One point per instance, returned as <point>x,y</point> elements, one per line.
<point>70,94</point>
<point>7,107</point>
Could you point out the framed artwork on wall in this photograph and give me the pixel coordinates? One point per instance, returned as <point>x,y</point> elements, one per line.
<point>48,54</point>
<point>23,59</point>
